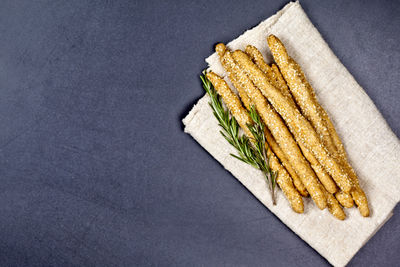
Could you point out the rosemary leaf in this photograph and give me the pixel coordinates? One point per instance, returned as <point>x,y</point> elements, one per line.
<point>251,151</point>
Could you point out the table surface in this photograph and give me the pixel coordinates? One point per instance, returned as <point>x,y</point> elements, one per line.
<point>95,167</point>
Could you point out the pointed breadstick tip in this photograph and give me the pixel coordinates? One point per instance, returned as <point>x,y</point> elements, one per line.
<point>271,38</point>
<point>240,53</point>
<point>364,211</point>
<point>210,75</point>
<point>298,209</point>
<point>220,49</point>
<point>276,46</point>
<point>252,51</point>
<point>250,47</point>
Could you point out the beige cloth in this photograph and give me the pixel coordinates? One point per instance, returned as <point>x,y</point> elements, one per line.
<point>373,149</point>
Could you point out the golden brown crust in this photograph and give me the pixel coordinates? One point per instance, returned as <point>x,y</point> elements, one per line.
<point>231,101</point>
<point>280,133</point>
<point>241,115</point>
<point>306,99</point>
<point>285,162</point>
<point>344,199</point>
<point>322,175</point>
<point>276,79</point>
<point>221,49</point>
<point>357,193</point>
<point>299,126</point>
<point>361,201</point>
<point>335,137</point>
<point>300,89</point>
<point>281,81</point>
<point>334,207</point>
<point>285,183</point>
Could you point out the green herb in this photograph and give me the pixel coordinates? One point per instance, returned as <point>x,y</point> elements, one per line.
<point>251,151</point>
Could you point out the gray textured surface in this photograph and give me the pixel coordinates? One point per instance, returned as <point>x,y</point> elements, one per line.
<point>95,168</point>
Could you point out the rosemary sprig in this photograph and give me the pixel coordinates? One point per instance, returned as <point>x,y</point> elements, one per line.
<point>252,151</point>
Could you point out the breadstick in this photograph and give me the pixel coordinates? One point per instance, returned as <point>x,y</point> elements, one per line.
<point>322,175</point>
<point>276,79</point>
<point>361,201</point>
<point>285,162</point>
<point>280,133</point>
<point>300,127</point>
<point>221,49</point>
<point>334,207</point>
<point>231,101</point>
<point>280,80</point>
<point>332,131</point>
<point>258,59</point>
<point>357,193</point>
<point>241,115</point>
<point>306,99</point>
<point>344,199</point>
<point>299,87</point>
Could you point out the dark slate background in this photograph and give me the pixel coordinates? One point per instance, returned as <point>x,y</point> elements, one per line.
<point>95,169</point>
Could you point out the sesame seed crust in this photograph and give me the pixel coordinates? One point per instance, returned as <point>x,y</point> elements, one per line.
<point>276,79</point>
<point>280,132</point>
<point>316,114</point>
<point>299,126</point>
<point>234,105</point>
<point>344,199</point>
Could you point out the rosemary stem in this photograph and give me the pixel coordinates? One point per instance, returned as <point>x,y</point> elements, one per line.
<point>272,188</point>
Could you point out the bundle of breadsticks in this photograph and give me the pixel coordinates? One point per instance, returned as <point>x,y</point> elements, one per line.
<point>301,140</point>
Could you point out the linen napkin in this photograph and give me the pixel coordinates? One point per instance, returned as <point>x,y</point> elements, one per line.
<point>373,149</point>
